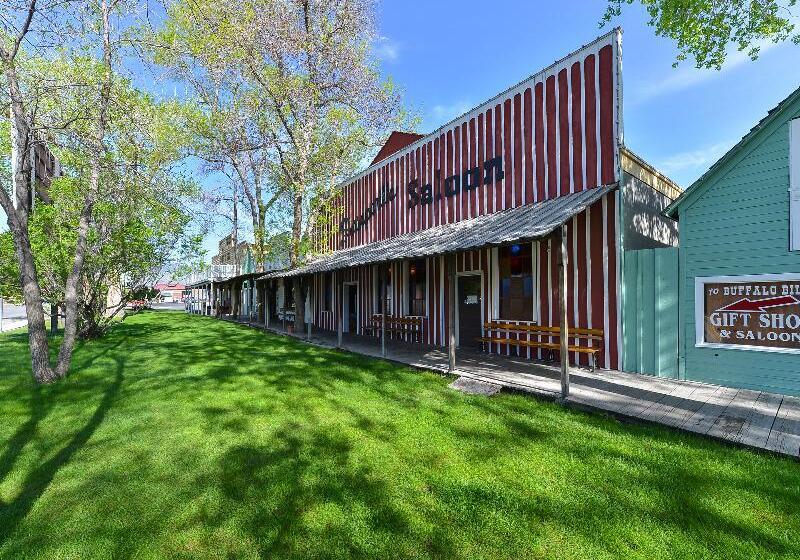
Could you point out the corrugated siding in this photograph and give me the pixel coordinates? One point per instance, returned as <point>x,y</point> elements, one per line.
<point>650,314</point>
<point>739,224</point>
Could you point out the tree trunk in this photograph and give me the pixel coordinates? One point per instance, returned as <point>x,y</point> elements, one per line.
<point>37,330</point>
<point>99,150</point>
<point>17,219</point>
<point>297,227</point>
<point>72,285</point>
<point>53,318</point>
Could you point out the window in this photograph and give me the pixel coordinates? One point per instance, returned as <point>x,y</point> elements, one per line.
<point>794,185</point>
<point>417,286</point>
<point>515,282</point>
<point>377,290</point>
<point>288,290</point>
<point>327,290</point>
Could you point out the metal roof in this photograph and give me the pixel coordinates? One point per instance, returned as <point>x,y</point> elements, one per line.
<point>528,222</point>
<point>245,276</point>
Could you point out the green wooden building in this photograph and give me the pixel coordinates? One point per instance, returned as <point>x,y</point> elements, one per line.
<point>739,261</point>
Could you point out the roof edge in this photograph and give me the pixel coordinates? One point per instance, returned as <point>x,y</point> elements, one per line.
<point>648,174</point>
<point>671,211</point>
<point>615,32</point>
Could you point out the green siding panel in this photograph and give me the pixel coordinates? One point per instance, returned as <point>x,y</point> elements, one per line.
<point>650,313</point>
<point>737,224</point>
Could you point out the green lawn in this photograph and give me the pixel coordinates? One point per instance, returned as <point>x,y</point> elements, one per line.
<point>185,437</point>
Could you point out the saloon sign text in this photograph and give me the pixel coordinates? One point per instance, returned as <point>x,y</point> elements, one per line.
<point>471,179</point>
<point>750,313</point>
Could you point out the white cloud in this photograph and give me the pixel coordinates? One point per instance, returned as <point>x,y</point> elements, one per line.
<point>694,162</point>
<point>386,49</point>
<point>687,76</point>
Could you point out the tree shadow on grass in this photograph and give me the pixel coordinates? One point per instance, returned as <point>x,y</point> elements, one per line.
<point>312,495</point>
<point>39,479</point>
<point>25,432</point>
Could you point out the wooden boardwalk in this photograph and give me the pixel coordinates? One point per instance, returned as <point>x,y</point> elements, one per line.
<point>755,419</point>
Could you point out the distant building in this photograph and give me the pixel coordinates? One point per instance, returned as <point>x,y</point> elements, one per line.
<point>230,252</point>
<point>170,292</point>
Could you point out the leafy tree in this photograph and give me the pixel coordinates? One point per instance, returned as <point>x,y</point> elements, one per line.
<point>139,225</point>
<point>67,91</point>
<point>703,29</point>
<point>294,96</point>
<point>291,95</point>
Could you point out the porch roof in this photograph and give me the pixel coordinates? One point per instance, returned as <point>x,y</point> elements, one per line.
<point>209,281</point>
<point>524,223</point>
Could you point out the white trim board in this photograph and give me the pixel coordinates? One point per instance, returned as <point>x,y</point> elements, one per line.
<point>794,185</point>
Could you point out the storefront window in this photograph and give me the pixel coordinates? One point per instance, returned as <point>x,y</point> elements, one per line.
<point>377,290</point>
<point>417,285</point>
<point>515,264</point>
<point>288,290</point>
<point>327,290</point>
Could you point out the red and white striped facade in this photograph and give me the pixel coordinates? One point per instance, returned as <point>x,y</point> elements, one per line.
<point>557,132</point>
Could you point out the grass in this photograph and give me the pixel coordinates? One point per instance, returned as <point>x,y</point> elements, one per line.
<point>184,437</point>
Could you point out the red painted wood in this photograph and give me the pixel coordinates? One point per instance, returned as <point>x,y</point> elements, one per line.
<point>517,150</point>
<point>490,196</point>
<point>607,172</point>
<point>509,182</point>
<point>464,197</point>
<point>499,186</point>
<point>550,108</point>
<point>481,190</point>
<point>541,191</point>
<point>473,161</point>
<point>591,122</point>
<point>577,134</point>
<point>527,135</point>
<point>563,132</point>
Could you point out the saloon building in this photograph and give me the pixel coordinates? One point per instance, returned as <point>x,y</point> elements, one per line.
<point>457,237</point>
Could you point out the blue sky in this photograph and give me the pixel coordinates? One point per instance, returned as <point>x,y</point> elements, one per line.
<point>450,55</point>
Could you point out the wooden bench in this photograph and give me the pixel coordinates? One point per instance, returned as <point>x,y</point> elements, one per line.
<point>405,326</point>
<point>545,336</point>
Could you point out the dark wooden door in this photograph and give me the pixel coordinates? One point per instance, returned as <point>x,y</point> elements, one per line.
<point>469,310</point>
<point>352,308</point>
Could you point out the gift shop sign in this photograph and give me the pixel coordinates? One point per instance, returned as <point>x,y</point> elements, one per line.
<point>758,312</point>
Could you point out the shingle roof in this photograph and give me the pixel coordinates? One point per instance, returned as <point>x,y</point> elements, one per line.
<point>529,222</point>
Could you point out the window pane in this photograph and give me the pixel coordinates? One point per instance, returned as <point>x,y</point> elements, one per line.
<point>516,282</point>
<point>327,289</point>
<point>417,283</point>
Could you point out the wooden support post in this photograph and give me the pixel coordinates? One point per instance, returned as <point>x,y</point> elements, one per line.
<point>266,303</point>
<point>562,308</point>
<point>213,310</point>
<point>382,282</point>
<point>451,312</point>
<point>339,309</point>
